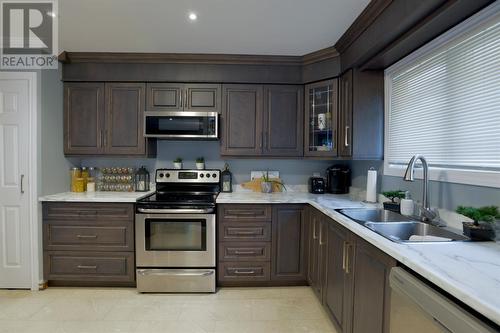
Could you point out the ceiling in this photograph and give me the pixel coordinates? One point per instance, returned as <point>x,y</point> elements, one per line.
<point>284,27</point>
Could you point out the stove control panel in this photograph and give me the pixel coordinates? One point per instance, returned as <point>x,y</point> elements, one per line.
<point>187,176</point>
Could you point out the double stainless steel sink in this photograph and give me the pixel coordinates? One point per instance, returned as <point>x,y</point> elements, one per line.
<point>399,228</point>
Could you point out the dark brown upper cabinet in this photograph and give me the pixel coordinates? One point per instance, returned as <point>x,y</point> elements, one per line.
<point>183,97</point>
<point>361,125</point>
<point>262,120</point>
<point>83,118</point>
<point>164,97</point>
<point>104,119</point>
<point>321,119</point>
<point>124,119</point>
<point>283,120</point>
<point>288,244</point>
<point>345,114</point>
<point>242,120</point>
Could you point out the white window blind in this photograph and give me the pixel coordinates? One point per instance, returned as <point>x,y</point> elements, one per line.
<point>443,101</point>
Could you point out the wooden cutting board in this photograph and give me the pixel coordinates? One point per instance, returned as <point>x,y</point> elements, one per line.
<point>254,185</point>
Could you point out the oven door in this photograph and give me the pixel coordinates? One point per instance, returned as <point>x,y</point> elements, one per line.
<point>181,125</point>
<point>175,240</point>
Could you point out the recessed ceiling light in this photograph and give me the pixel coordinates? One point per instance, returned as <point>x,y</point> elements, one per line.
<point>192,16</point>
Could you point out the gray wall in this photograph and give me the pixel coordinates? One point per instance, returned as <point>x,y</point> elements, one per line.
<point>293,172</point>
<point>442,195</point>
<point>54,167</point>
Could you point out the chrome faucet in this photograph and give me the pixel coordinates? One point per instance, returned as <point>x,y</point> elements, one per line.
<point>426,213</point>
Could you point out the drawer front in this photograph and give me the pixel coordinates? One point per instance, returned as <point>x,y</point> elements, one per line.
<point>257,213</point>
<point>244,271</point>
<point>88,238</point>
<point>89,266</point>
<point>244,251</point>
<point>76,211</point>
<point>247,232</point>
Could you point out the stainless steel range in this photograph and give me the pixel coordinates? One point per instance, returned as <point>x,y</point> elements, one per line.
<point>175,232</point>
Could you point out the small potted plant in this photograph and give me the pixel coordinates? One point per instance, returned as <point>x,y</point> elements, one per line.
<point>200,163</point>
<point>266,186</point>
<point>393,205</point>
<point>178,163</point>
<point>484,219</point>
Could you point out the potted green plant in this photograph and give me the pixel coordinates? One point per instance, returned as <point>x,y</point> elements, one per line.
<point>266,186</point>
<point>178,163</point>
<point>395,197</point>
<point>484,219</point>
<point>200,163</point>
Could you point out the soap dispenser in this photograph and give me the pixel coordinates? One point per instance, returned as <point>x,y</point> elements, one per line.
<point>407,205</point>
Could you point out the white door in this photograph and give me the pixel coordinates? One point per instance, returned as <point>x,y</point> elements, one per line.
<point>15,231</point>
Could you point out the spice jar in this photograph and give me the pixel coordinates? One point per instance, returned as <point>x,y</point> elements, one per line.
<point>91,184</point>
<point>74,174</point>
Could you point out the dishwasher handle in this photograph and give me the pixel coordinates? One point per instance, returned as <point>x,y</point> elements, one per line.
<point>445,313</point>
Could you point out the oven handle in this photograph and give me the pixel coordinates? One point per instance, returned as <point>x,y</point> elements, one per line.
<point>175,211</point>
<point>145,272</point>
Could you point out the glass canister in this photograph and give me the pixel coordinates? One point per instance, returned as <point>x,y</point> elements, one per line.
<point>74,174</point>
<point>85,176</point>
<point>80,185</point>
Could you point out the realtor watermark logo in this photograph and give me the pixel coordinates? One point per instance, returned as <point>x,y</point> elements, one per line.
<point>28,34</point>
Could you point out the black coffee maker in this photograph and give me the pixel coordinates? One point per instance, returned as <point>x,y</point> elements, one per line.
<point>338,179</point>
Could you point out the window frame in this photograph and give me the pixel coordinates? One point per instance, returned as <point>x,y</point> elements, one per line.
<point>478,177</point>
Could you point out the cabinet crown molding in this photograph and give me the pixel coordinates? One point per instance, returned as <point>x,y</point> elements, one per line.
<point>67,57</point>
<point>362,22</point>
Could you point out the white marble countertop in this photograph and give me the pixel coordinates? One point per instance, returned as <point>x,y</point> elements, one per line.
<point>96,197</point>
<point>470,271</point>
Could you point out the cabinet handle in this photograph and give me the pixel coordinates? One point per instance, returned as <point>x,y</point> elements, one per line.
<point>244,252</point>
<point>22,184</point>
<point>86,236</point>
<point>100,139</point>
<point>86,267</point>
<point>87,212</point>
<point>346,138</point>
<point>315,236</point>
<point>321,243</point>
<point>186,98</point>
<point>343,255</point>
<point>181,95</point>
<point>105,138</point>
<point>244,272</point>
<point>247,233</point>
<point>347,259</point>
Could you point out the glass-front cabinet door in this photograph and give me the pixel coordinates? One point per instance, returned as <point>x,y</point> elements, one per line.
<point>321,118</point>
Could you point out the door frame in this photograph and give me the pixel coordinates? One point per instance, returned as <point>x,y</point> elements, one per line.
<point>32,190</point>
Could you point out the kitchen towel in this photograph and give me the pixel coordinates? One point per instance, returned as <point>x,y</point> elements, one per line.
<point>371,185</point>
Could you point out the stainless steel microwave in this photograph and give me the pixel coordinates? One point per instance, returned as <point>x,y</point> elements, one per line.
<point>182,125</point>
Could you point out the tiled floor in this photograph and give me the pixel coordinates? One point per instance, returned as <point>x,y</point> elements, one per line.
<point>106,310</point>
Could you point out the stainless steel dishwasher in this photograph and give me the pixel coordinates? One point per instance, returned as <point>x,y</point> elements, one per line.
<point>417,308</point>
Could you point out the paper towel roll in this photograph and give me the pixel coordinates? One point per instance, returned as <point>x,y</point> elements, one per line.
<point>371,185</point>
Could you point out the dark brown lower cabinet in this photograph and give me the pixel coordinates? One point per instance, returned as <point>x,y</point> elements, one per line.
<point>371,292</point>
<point>261,245</point>
<point>349,276</point>
<point>316,251</point>
<point>89,244</point>
<point>337,288</point>
<point>288,254</point>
